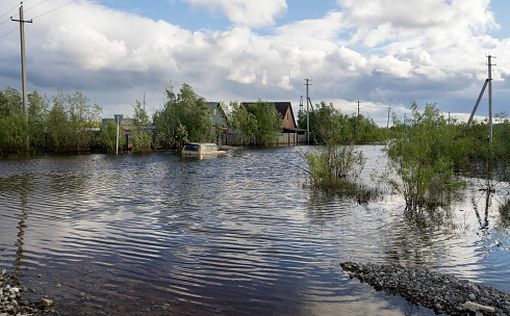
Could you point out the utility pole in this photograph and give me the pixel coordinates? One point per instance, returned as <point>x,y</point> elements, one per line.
<point>307,84</point>
<point>488,82</point>
<point>144,101</point>
<point>22,22</point>
<point>358,106</point>
<point>118,119</point>
<point>489,69</point>
<point>388,121</point>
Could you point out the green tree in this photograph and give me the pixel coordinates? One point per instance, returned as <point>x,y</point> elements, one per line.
<point>141,137</point>
<point>421,155</point>
<point>107,138</point>
<point>243,122</point>
<point>185,117</point>
<point>259,122</point>
<point>13,131</point>
<point>69,123</point>
<point>37,116</point>
<point>330,126</point>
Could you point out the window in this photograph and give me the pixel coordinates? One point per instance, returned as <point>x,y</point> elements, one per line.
<point>191,147</point>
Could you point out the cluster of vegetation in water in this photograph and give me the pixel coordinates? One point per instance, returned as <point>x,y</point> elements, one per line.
<point>68,123</point>
<point>427,153</point>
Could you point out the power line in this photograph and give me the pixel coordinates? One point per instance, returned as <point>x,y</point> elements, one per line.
<point>54,9</point>
<point>35,6</point>
<point>8,11</point>
<point>5,21</point>
<point>7,33</point>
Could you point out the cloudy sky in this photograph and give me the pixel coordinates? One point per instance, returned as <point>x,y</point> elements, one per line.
<point>383,52</point>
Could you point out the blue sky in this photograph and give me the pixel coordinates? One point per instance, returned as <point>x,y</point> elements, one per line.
<point>384,52</point>
<point>180,13</point>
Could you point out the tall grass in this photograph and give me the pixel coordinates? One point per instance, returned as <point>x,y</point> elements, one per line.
<point>337,169</point>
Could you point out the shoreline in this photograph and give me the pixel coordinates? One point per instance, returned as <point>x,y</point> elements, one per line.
<point>440,292</point>
<point>13,300</point>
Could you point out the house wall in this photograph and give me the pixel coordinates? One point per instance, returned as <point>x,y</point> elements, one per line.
<point>287,120</point>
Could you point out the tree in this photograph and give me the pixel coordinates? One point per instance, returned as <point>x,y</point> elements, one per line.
<point>243,122</point>
<point>421,154</point>
<point>107,138</point>
<point>330,126</point>
<point>141,137</point>
<point>259,122</point>
<point>69,123</point>
<point>37,116</point>
<point>184,118</point>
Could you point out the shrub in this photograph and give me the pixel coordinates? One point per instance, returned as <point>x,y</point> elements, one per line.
<point>338,169</point>
<point>421,155</point>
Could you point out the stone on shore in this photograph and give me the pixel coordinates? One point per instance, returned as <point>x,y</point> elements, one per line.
<point>441,292</point>
<point>13,302</point>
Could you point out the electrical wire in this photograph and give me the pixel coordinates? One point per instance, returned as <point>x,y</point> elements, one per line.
<point>37,16</point>
<point>9,32</point>
<point>8,11</point>
<point>4,22</point>
<point>54,9</point>
<point>35,6</point>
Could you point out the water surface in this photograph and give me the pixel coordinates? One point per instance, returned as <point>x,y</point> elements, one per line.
<point>241,234</point>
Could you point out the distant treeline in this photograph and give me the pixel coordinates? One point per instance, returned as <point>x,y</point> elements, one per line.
<point>329,125</point>
<point>69,123</point>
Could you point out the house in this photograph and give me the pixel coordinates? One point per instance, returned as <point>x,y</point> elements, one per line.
<point>219,119</point>
<point>286,112</point>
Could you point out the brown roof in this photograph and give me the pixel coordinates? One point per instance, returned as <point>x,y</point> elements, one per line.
<point>281,107</point>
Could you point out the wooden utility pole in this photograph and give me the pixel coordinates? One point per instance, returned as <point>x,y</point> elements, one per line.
<point>307,84</point>
<point>388,121</point>
<point>22,22</point>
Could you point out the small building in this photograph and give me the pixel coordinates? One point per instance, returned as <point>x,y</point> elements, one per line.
<point>219,121</point>
<point>286,112</point>
<point>291,134</point>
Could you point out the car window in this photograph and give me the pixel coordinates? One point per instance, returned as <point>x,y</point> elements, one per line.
<point>191,147</point>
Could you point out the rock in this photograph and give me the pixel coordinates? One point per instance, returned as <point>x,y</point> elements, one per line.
<point>475,307</point>
<point>441,292</point>
<point>46,303</point>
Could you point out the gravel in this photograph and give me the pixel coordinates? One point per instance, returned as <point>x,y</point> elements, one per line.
<point>441,292</point>
<point>13,302</point>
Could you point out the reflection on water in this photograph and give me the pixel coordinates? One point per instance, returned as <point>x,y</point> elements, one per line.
<point>240,234</point>
<point>23,188</point>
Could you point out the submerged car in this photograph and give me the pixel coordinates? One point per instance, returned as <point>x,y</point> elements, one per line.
<point>201,149</point>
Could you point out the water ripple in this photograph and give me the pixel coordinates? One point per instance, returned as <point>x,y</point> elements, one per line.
<point>240,235</point>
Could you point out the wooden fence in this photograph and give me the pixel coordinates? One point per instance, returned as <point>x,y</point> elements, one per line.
<point>285,139</point>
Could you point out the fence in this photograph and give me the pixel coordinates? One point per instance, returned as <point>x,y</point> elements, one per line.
<point>285,139</point>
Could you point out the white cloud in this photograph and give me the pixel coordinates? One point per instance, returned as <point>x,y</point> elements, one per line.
<point>376,51</point>
<point>253,13</point>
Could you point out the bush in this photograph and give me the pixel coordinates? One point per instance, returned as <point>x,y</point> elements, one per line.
<point>337,169</point>
<point>421,155</point>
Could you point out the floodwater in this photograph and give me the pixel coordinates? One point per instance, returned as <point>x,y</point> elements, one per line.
<point>236,235</point>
